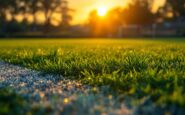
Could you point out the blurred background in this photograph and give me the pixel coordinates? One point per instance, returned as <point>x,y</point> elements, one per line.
<point>92,18</point>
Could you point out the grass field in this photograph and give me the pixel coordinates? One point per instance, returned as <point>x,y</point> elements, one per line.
<point>153,69</point>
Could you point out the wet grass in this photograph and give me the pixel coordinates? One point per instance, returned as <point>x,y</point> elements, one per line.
<point>140,69</point>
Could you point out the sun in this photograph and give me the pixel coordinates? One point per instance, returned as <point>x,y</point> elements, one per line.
<point>102,11</point>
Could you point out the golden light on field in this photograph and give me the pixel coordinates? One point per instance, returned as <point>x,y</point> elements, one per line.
<point>102,11</point>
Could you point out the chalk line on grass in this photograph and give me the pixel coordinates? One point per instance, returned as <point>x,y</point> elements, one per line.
<point>63,95</point>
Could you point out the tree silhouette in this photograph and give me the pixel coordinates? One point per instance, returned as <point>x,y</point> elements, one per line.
<point>34,7</point>
<point>3,7</point>
<point>49,7</point>
<point>26,8</point>
<point>139,12</point>
<point>178,7</point>
<point>98,25</point>
<point>7,5</point>
<point>66,17</point>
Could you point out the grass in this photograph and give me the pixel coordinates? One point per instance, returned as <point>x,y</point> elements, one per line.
<point>137,68</point>
<point>11,103</point>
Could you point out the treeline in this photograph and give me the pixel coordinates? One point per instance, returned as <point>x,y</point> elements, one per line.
<point>138,12</point>
<point>47,16</point>
<point>34,15</point>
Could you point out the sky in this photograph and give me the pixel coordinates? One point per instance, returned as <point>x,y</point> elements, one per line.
<point>83,7</point>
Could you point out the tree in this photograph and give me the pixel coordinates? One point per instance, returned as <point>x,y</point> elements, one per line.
<point>49,7</point>
<point>98,25</point>
<point>3,6</point>
<point>14,8</point>
<point>7,5</point>
<point>178,7</point>
<point>34,7</point>
<point>139,12</point>
<point>28,8</point>
<point>116,19</point>
<point>66,17</point>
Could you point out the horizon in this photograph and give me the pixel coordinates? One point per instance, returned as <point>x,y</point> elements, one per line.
<point>83,7</point>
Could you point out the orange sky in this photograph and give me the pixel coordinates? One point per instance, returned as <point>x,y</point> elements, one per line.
<point>83,7</point>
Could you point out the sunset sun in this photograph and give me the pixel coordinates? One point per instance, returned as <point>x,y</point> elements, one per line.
<point>102,11</point>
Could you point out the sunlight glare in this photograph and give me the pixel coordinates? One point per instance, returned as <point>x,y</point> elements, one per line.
<point>102,11</point>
